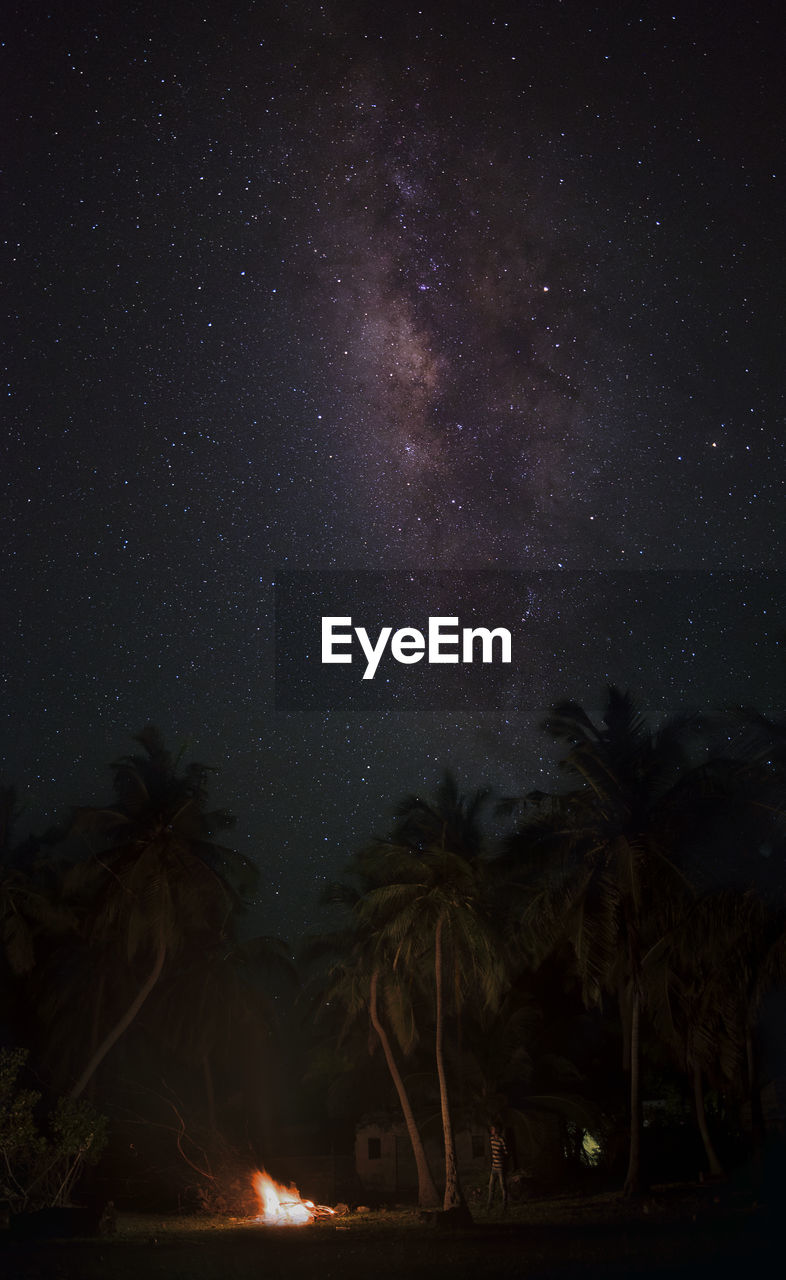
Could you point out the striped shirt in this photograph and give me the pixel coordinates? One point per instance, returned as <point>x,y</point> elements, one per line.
<point>498,1151</point>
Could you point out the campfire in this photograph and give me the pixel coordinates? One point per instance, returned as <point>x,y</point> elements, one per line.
<point>282,1206</point>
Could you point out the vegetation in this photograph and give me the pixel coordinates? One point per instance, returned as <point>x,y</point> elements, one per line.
<point>426,911</point>
<point>548,963</point>
<point>126,980</point>
<point>41,1158</point>
<point>592,895</point>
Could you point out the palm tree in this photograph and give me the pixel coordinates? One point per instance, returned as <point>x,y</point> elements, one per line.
<point>359,977</point>
<point>753,961</point>
<point>720,966</point>
<point>156,876</point>
<point>740,800</point>
<point>611,884</point>
<point>694,1007</point>
<point>430,899</point>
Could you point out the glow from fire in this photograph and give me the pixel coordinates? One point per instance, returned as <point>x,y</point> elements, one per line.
<point>282,1206</point>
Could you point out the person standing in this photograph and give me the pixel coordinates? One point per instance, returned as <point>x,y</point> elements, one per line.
<point>499,1155</point>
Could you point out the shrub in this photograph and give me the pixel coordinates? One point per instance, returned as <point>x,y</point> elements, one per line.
<point>42,1153</point>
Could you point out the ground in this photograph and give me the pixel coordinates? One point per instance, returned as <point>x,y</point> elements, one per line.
<point>676,1232</point>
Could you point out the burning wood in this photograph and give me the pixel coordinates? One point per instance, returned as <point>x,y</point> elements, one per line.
<point>282,1206</point>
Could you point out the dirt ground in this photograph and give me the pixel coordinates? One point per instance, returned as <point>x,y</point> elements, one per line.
<point>677,1233</point>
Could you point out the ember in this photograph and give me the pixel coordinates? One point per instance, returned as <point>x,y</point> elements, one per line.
<point>282,1206</point>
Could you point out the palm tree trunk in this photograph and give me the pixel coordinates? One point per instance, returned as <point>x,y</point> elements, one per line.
<point>623,1002</point>
<point>428,1196</point>
<point>716,1168</point>
<point>123,1023</point>
<point>633,1177</point>
<point>454,1196</point>
<point>754,1095</point>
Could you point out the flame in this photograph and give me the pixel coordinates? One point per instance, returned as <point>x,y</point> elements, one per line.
<point>282,1206</point>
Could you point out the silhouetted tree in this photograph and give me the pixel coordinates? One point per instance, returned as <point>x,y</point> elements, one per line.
<point>611,883</point>
<point>360,978</point>
<point>155,875</point>
<point>431,899</point>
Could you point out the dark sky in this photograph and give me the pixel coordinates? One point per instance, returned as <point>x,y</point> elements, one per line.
<point>409,310</point>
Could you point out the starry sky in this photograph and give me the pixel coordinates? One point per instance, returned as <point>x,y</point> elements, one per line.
<point>386,310</point>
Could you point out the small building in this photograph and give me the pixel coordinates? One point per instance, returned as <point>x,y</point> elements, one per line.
<point>385,1164</point>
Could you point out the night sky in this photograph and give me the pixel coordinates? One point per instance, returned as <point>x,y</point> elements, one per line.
<point>391,310</point>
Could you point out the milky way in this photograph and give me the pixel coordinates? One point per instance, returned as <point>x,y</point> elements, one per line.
<point>487,301</point>
<point>460,309</point>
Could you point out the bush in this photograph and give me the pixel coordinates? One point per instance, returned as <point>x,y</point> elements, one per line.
<point>41,1157</point>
